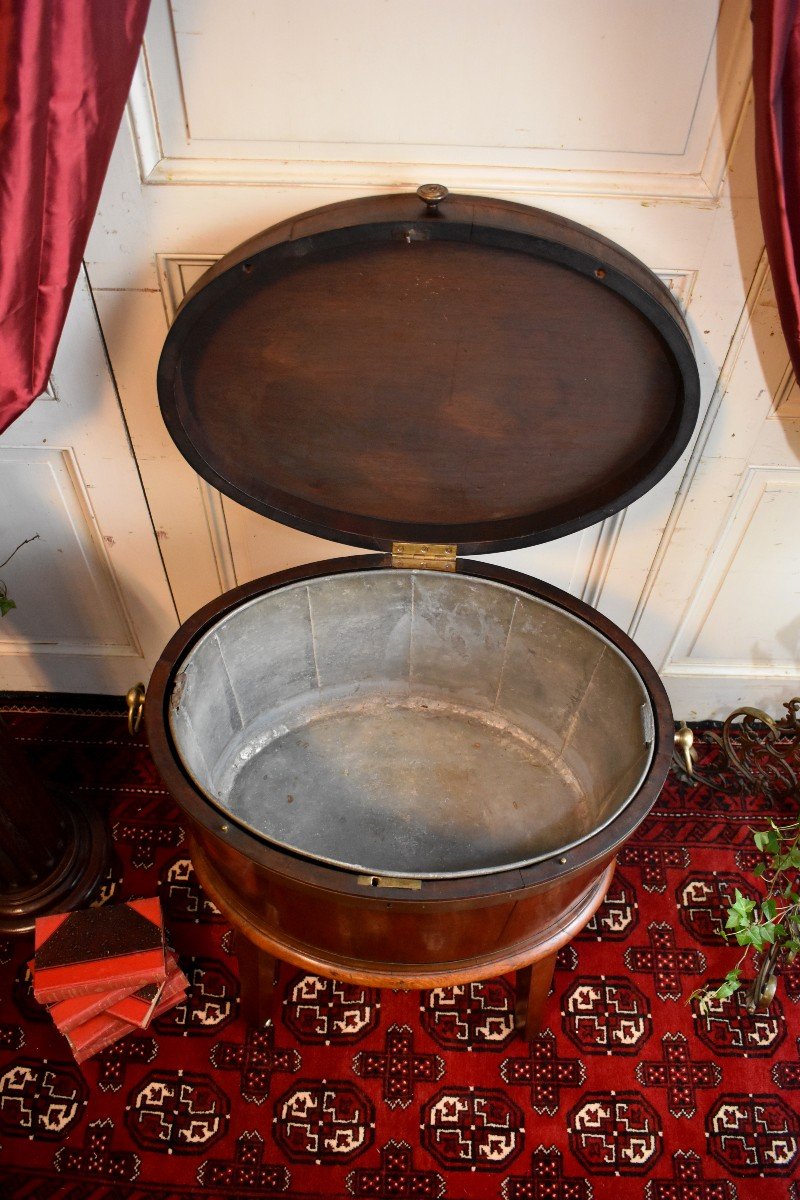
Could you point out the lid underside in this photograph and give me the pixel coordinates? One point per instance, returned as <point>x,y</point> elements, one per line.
<point>435,379</point>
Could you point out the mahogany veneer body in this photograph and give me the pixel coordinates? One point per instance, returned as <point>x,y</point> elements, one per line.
<point>383,943</point>
<point>448,930</point>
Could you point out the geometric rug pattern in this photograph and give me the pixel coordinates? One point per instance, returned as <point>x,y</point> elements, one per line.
<point>629,1091</point>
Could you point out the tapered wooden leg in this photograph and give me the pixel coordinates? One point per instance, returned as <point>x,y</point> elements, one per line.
<point>257,972</point>
<point>533,986</point>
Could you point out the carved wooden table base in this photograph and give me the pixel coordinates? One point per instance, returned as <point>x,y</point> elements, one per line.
<point>53,853</point>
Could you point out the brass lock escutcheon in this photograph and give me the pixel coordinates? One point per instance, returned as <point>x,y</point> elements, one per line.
<point>389,881</point>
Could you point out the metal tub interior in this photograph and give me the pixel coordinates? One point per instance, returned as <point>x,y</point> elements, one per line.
<point>410,723</point>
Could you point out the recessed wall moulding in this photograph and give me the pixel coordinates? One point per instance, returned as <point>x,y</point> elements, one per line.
<point>194,121</point>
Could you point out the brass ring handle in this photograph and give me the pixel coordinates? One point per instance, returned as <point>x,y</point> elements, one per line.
<point>135,702</point>
<point>684,740</point>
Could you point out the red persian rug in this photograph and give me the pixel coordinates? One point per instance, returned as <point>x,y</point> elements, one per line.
<point>630,1092</point>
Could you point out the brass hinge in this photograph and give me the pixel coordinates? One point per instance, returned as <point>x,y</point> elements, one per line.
<point>424,555</point>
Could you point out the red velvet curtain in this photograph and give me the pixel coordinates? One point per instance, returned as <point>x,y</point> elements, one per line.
<point>65,71</point>
<point>776,86</point>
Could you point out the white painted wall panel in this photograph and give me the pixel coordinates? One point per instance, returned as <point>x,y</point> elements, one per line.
<point>62,582</point>
<point>630,116</point>
<point>507,94</point>
<point>459,73</point>
<point>93,601</point>
<point>725,629</point>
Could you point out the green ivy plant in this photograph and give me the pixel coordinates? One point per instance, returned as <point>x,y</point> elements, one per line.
<point>770,925</point>
<point>6,603</point>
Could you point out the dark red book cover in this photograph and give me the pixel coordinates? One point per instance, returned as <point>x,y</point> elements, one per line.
<point>99,949</point>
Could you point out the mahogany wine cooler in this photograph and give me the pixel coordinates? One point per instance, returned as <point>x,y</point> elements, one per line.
<point>412,768</point>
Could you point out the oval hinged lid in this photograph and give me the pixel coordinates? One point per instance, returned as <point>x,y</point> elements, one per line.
<point>425,369</point>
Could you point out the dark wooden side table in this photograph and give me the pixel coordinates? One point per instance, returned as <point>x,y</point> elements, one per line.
<point>53,853</point>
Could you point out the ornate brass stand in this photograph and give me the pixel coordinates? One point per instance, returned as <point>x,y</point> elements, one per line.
<point>752,753</point>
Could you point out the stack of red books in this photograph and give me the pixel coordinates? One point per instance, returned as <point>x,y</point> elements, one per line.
<point>105,972</point>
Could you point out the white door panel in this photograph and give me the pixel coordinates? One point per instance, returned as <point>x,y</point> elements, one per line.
<point>93,602</point>
<point>508,95</point>
<point>723,617</point>
<point>631,132</point>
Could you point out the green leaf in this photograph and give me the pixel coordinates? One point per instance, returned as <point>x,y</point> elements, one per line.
<point>6,605</point>
<point>759,869</point>
<point>727,989</point>
<point>742,907</point>
<point>730,984</point>
<point>760,839</point>
<point>749,936</point>
<point>768,909</point>
<point>756,935</point>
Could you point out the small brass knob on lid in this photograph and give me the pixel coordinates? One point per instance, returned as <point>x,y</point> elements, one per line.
<point>433,194</point>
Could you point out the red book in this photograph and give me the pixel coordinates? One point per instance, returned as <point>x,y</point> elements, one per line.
<point>174,989</point>
<point>99,950</point>
<point>101,1031</point>
<point>138,1007</point>
<point>94,1035</point>
<point>68,1013</point>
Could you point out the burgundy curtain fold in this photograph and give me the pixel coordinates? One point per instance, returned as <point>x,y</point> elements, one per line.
<point>776,87</point>
<point>65,72</point>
